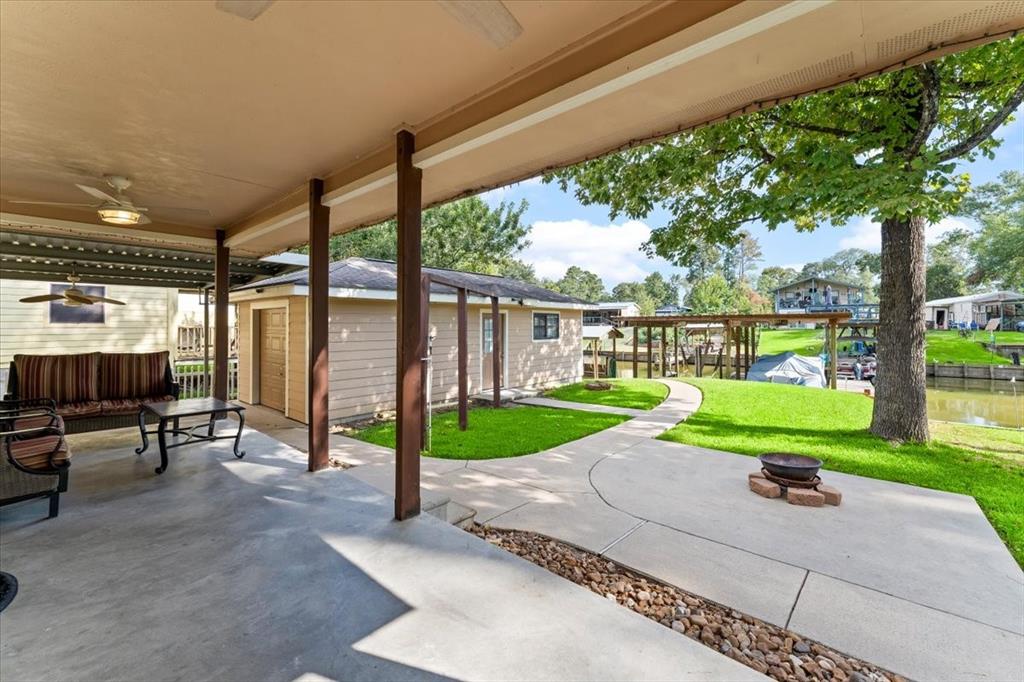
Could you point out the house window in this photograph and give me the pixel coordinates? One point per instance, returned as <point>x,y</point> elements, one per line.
<point>545,326</point>
<point>82,314</point>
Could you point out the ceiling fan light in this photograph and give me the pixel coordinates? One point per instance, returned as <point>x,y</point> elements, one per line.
<point>117,215</point>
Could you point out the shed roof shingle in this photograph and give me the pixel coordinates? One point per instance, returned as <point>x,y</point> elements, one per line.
<point>382,275</point>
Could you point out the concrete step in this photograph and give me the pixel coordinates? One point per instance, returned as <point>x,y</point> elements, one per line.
<point>448,511</point>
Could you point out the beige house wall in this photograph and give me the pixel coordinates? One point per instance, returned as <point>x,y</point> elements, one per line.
<point>144,324</point>
<point>362,346</point>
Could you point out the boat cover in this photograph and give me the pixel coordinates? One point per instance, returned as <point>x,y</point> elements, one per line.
<point>789,368</point>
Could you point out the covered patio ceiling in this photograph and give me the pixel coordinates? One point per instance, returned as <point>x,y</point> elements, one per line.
<point>48,258</point>
<point>206,110</point>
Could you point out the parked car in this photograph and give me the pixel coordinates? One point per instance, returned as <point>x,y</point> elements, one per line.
<point>1019,326</point>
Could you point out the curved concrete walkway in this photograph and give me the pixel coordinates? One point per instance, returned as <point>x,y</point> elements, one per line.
<point>912,579</point>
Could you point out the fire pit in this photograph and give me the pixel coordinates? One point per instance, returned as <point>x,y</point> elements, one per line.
<point>790,467</point>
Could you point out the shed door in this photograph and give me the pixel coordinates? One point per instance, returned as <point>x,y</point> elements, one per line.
<point>273,331</point>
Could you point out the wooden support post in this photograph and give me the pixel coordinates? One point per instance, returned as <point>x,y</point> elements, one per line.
<point>675,347</point>
<point>739,347</point>
<point>496,350</point>
<point>409,331</point>
<point>650,354</point>
<point>664,351</point>
<point>724,352</point>
<point>222,284</point>
<point>206,343</point>
<point>614,360</point>
<point>636,352</point>
<point>833,370</point>
<point>319,302</point>
<point>463,362</point>
<point>596,356</point>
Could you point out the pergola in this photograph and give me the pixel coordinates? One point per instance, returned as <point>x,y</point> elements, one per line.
<point>288,122</point>
<point>738,338</point>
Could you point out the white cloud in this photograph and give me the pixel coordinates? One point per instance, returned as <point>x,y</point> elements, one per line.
<point>866,234</point>
<point>611,251</point>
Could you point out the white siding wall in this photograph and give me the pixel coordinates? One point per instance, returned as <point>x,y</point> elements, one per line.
<point>362,347</point>
<point>140,326</point>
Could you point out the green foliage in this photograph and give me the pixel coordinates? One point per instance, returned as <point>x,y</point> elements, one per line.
<point>582,284</point>
<point>461,235</point>
<point>940,345</point>
<point>658,288</point>
<point>773,277</point>
<point>505,432</point>
<point>750,418</point>
<point>943,280</point>
<point>883,147</point>
<point>639,394</point>
<point>711,295</point>
<point>999,245</point>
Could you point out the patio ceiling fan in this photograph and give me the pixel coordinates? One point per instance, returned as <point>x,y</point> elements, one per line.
<point>72,296</point>
<point>116,208</point>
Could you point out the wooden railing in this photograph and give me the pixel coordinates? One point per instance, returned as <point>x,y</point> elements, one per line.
<point>197,384</point>
<point>190,341</point>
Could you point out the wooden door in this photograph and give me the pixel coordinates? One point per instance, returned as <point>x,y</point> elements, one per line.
<point>273,332</point>
<point>487,348</point>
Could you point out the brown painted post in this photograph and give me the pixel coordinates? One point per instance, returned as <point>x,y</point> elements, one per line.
<point>409,331</point>
<point>319,301</point>
<point>222,283</point>
<point>463,361</point>
<point>724,371</point>
<point>675,346</point>
<point>650,354</point>
<point>206,342</point>
<point>636,352</point>
<point>496,350</point>
<point>614,359</point>
<point>833,371</point>
<point>664,351</point>
<point>739,347</point>
<point>596,353</point>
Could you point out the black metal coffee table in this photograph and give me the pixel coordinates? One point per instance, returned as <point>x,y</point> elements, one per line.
<point>174,410</point>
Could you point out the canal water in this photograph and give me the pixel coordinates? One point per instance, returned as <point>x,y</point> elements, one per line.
<point>976,401</point>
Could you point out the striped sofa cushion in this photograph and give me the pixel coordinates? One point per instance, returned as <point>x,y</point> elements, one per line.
<point>36,453</point>
<point>63,378</point>
<point>132,375</point>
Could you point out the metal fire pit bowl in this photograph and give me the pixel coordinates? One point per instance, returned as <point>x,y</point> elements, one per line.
<point>788,465</point>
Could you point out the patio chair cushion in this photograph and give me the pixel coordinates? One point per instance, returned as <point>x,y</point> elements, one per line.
<point>85,408</point>
<point>132,375</point>
<point>34,453</point>
<point>63,378</point>
<point>115,406</point>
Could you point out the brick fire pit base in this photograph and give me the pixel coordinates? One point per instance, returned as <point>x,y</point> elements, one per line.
<point>805,497</point>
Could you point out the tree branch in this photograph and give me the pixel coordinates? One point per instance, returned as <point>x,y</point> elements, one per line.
<point>811,127</point>
<point>984,131</point>
<point>929,107</point>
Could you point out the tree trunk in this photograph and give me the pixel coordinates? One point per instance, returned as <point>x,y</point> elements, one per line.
<point>901,410</point>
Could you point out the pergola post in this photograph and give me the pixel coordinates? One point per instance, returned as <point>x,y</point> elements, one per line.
<point>650,353</point>
<point>739,347</point>
<point>614,360</point>
<point>221,283</point>
<point>636,352</point>
<point>496,350</point>
<point>463,353</point>
<point>319,312</point>
<point>675,346</point>
<point>833,370</point>
<point>725,369</point>
<point>409,389</point>
<point>664,350</point>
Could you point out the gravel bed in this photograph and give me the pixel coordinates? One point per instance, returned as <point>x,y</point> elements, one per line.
<point>769,649</point>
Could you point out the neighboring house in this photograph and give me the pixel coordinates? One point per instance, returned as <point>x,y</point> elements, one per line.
<point>602,313</point>
<point>945,313</point>
<point>820,294</point>
<point>144,323</point>
<point>667,310</point>
<point>542,338</point>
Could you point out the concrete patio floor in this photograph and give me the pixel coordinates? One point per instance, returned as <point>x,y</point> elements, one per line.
<point>912,579</point>
<point>257,570</point>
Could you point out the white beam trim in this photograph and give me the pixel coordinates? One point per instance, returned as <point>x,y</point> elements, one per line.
<point>16,220</point>
<point>364,185</point>
<point>268,226</point>
<point>583,90</point>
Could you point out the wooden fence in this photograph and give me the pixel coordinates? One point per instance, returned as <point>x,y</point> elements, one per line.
<point>965,371</point>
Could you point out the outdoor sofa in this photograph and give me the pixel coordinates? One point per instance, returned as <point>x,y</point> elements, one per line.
<point>93,391</point>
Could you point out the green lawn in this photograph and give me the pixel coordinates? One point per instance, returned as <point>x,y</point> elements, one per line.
<point>942,346</point>
<point>640,394</point>
<point>505,432</point>
<point>751,418</point>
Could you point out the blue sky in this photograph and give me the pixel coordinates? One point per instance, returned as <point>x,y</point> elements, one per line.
<point>567,233</point>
